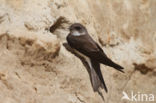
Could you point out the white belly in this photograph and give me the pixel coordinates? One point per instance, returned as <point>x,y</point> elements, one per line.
<point>85,57</point>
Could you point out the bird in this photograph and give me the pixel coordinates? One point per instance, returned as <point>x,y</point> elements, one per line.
<point>83,44</point>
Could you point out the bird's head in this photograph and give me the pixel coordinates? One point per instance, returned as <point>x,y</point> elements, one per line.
<point>77,29</point>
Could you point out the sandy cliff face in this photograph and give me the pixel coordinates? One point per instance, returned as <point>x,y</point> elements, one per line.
<point>35,67</point>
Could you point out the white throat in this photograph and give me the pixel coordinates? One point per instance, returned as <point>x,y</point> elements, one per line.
<point>76,33</point>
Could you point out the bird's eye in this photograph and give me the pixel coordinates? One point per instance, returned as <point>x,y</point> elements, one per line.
<point>78,28</point>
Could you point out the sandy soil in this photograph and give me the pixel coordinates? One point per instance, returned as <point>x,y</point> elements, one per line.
<point>35,67</point>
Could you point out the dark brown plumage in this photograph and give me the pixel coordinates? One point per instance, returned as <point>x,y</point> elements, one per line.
<point>80,40</point>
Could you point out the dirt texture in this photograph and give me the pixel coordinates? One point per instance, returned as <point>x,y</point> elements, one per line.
<point>35,66</point>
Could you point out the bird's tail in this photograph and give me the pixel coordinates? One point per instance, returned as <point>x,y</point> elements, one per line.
<point>95,80</point>
<point>110,63</point>
<point>96,76</point>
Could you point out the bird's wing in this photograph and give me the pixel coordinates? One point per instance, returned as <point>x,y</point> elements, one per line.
<point>86,45</point>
